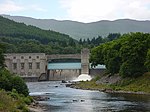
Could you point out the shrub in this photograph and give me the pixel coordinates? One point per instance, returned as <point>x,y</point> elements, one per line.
<point>9,82</point>
<point>6,102</point>
<point>131,70</point>
<point>19,84</point>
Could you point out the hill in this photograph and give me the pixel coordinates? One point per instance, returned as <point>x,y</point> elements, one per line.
<point>19,37</point>
<point>79,30</point>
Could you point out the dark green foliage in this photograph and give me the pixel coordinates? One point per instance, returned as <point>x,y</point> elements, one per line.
<point>128,69</point>
<point>97,56</point>
<point>147,63</point>
<point>19,84</point>
<point>5,80</point>
<point>9,82</point>
<point>98,40</point>
<point>1,56</point>
<point>127,55</point>
<point>20,38</point>
<point>113,36</point>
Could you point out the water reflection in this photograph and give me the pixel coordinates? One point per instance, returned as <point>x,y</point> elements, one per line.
<point>64,99</point>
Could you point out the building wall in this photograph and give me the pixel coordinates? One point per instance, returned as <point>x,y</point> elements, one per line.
<point>26,64</point>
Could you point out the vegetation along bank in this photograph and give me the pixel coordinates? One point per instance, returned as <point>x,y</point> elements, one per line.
<point>129,58</point>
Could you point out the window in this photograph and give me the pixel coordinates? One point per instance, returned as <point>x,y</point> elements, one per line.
<point>22,57</point>
<point>38,65</point>
<point>15,66</point>
<point>30,65</point>
<point>14,57</point>
<point>29,57</point>
<point>22,65</point>
<point>37,56</point>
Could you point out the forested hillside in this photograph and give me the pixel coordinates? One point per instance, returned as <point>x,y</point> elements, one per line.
<point>18,37</point>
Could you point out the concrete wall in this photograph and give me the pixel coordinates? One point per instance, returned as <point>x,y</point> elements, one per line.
<point>85,61</point>
<point>26,64</point>
<point>96,72</point>
<point>64,74</point>
<point>72,74</point>
<point>30,79</point>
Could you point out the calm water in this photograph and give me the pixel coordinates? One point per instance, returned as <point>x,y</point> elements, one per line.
<point>63,99</point>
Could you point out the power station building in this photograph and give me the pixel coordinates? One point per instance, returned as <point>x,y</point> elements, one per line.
<point>26,64</point>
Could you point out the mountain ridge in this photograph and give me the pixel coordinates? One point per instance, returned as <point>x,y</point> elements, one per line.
<point>79,30</point>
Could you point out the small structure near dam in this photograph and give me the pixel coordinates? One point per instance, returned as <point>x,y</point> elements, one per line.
<point>40,67</point>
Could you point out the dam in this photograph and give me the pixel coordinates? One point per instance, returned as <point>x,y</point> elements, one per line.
<point>41,67</point>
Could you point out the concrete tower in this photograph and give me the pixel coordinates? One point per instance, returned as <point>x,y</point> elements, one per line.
<point>85,61</point>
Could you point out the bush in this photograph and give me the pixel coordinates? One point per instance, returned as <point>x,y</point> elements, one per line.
<point>5,80</point>
<point>128,69</point>
<point>10,82</point>
<point>19,84</point>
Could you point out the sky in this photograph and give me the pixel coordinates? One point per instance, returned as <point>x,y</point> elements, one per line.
<point>78,10</point>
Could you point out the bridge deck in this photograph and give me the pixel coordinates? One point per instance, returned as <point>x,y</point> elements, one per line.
<point>64,56</point>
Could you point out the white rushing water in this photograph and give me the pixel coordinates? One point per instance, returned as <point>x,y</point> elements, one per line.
<point>83,77</point>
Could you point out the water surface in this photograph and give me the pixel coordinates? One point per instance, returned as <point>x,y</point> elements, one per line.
<point>63,99</point>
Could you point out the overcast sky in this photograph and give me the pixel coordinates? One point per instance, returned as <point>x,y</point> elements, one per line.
<point>78,10</point>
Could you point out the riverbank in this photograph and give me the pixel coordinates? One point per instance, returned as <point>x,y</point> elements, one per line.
<point>140,85</point>
<point>36,106</point>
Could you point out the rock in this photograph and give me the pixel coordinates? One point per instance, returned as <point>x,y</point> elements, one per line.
<point>40,98</point>
<point>109,91</point>
<point>70,85</point>
<point>74,100</point>
<point>82,100</point>
<point>63,81</point>
<point>109,79</point>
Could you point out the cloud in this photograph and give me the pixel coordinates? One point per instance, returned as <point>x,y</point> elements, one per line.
<point>37,8</point>
<point>9,6</point>
<point>95,10</point>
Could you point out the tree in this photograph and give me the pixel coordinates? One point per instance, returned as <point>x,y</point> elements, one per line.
<point>97,56</point>
<point>147,62</point>
<point>113,36</point>
<point>2,65</point>
<point>19,85</point>
<point>80,41</point>
<point>127,55</point>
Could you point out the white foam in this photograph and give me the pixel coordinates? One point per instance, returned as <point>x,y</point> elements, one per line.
<point>83,77</point>
<point>40,93</point>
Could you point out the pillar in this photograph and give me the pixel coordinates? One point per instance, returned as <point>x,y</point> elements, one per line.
<point>85,61</point>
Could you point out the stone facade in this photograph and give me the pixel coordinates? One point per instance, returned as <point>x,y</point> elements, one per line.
<point>26,64</point>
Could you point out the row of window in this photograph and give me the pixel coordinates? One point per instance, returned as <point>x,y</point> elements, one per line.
<point>29,65</point>
<point>22,57</point>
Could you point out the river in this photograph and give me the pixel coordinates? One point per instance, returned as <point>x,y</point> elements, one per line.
<point>64,99</point>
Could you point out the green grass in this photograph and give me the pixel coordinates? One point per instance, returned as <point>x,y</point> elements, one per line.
<point>6,102</point>
<point>140,84</point>
<point>13,102</point>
